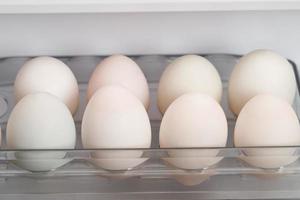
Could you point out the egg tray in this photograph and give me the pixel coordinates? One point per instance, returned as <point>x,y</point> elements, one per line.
<point>77,162</point>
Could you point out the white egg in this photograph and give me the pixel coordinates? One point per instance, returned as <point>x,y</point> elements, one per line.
<point>192,179</point>
<point>121,71</point>
<point>193,120</point>
<point>267,120</point>
<point>260,72</point>
<point>40,121</point>
<point>190,73</point>
<point>115,118</point>
<point>50,75</point>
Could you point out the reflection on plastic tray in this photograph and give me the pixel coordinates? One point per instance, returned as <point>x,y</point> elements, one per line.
<point>153,162</point>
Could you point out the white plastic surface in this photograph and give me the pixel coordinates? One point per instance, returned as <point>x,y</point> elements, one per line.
<point>150,33</point>
<point>104,6</point>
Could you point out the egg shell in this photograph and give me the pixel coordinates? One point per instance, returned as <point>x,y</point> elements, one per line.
<point>121,71</point>
<point>117,159</point>
<point>115,118</point>
<point>50,75</point>
<point>40,121</point>
<point>260,72</point>
<point>267,120</point>
<point>192,179</point>
<point>186,74</point>
<point>40,161</point>
<point>193,120</point>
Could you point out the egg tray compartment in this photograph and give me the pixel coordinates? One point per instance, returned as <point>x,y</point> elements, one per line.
<point>77,161</point>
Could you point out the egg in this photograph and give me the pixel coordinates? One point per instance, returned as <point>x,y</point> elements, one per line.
<point>115,118</point>
<point>50,75</point>
<point>40,121</point>
<point>121,71</point>
<point>192,179</point>
<point>264,121</point>
<point>189,73</point>
<point>193,120</point>
<point>260,72</point>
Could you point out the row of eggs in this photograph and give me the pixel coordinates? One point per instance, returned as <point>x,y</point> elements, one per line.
<point>188,95</point>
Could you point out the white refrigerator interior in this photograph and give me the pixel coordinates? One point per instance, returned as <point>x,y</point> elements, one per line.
<point>153,33</point>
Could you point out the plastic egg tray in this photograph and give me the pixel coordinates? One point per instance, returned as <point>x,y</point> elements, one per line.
<point>152,66</point>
